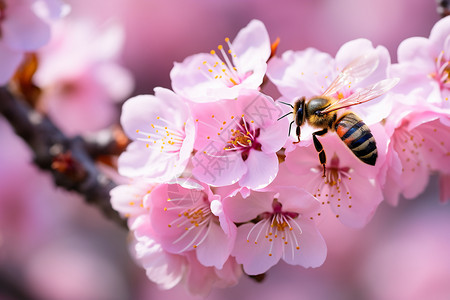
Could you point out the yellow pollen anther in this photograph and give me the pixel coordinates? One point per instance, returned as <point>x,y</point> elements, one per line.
<point>212,52</point>
<point>227,40</point>
<point>219,47</point>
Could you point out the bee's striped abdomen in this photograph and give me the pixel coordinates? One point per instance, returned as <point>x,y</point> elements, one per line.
<point>358,138</point>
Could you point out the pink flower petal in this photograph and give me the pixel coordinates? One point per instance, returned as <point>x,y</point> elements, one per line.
<point>220,168</point>
<point>284,73</point>
<point>10,61</point>
<point>294,199</point>
<point>262,170</point>
<point>252,47</point>
<point>439,33</point>
<point>227,225</point>
<point>312,251</point>
<point>163,268</point>
<point>253,256</point>
<point>216,248</point>
<point>240,209</point>
<point>24,31</point>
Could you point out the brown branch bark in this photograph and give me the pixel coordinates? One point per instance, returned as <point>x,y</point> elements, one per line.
<point>66,158</point>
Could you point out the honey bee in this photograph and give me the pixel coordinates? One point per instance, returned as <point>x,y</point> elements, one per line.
<point>321,112</point>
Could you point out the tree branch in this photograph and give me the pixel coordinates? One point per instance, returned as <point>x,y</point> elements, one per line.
<point>66,158</point>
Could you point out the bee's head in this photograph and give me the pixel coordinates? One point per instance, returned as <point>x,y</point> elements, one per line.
<point>299,111</point>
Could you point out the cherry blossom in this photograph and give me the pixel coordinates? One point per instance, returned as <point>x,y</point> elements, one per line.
<point>418,145</point>
<point>163,134</point>
<point>24,27</point>
<point>139,200</point>
<point>282,229</point>
<point>128,199</point>
<point>81,94</point>
<point>168,270</point>
<point>350,188</point>
<point>182,215</point>
<point>234,137</point>
<point>208,77</point>
<point>424,66</point>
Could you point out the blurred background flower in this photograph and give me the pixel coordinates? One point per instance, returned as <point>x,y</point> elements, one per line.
<point>54,246</point>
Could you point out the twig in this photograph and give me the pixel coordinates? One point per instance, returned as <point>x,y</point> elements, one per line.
<point>66,158</point>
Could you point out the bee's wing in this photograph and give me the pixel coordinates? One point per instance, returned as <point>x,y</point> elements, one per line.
<point>363,95</point>
<point>354,72</point>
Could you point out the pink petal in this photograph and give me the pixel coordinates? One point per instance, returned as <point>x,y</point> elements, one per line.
<point>10,61</point>
<point>439,33</point>
<point>255,257</point>
<point>251,46</point>
<point>418,51</point>
<point>357,208</point>
<point>199,279</point>
<point>220,168</point>
<point>351,50</point>
<point>284,73</point>
<point>139,112</point>
<point>138,160</point>
<point>216,248</point>
<point>227,225</point>
<point>274,137</point>
<point>313,250</point>
<point>229,274</point>
<point>240,209</point>
<point>189,82</point>
<point>24,31</point>
<point>294,199</point>
<point>163,268</point>
<point>51,9</point>
<point>262,169</point>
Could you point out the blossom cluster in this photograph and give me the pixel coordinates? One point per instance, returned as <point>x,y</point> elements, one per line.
<point>218,183</point>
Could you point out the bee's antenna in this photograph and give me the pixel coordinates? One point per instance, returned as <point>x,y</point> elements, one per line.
<point>284,116</point>
<point>287,104</point>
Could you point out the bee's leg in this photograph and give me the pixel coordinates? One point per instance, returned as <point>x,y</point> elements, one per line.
<point>297,132</point>
<point>319,148</point>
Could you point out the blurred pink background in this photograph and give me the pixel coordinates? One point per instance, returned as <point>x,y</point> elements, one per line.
<point>75,253</point>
